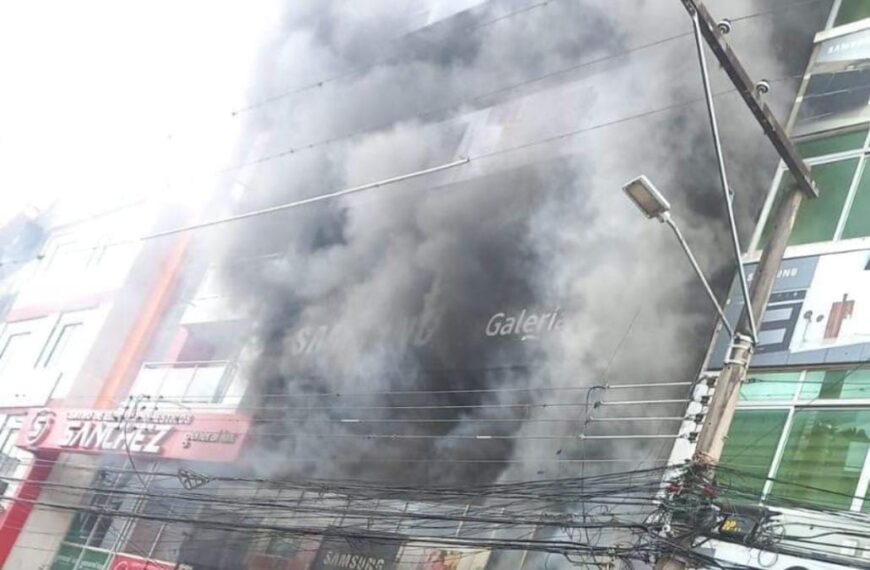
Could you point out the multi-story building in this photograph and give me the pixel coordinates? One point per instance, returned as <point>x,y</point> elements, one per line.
<point>84,302</point>
<point>124,365</point>
<point>800,434</point>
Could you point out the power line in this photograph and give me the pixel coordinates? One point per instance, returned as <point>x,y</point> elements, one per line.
<point>361,69</point>
<point>522,11</point>
<point>311,200</point>
<point>509,87</point>
<point>547,140</point>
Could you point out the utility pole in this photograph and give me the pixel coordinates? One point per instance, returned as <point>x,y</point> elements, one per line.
<point>723,404</point>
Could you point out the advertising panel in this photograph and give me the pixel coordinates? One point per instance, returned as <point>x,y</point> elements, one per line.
<point>171,435</point>
<point>838,92</point>
<point>344,553</point>
<point>451,559</point>
<point>819,313</point>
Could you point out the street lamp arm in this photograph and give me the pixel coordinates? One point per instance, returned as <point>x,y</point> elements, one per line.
<point>666,219</point>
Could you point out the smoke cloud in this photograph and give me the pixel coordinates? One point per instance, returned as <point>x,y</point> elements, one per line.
<point>393,327</point>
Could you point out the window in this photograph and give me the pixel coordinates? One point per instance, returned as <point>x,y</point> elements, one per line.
<point>817,219</point>
<point>786,426</point>
<point>14,352</point>
<point>750,449</point>
<point>215,548</point>
<point>67,255</point>
<point>832,144</point>
<point>770,386</point>
<point>9,460</point>
<point>843,384</point>
<point>104,530</point>
<point>823,458</point>
<point>203,369</point>
<point>157,538</point>
<point>193,382</point>
<point>59,345</point>
<point>284,546</point>
<point>852,11</point>
<point>842,210</point>
<point>118,488</point>
<point>858,222</point>
<point>13,460</point>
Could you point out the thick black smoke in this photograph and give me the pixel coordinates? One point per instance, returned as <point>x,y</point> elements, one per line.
<point>365,302</point>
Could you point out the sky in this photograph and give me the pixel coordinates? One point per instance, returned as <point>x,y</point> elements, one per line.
<point>110,101</point>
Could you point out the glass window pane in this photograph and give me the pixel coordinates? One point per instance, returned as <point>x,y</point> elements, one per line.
<point>858,222</point>
<point>852,11</point>
<point>823,457</point>
<point>204,383</point>
<point>836,384</point>
<point>149,380</point>
<point>770,386</point>
<point>749,451</point>
<point>812,385</point>
<point>14,352</point>
<point>832,144</point>
<point>61,344</point>
<point>175,383</point>
<point>817,219</point>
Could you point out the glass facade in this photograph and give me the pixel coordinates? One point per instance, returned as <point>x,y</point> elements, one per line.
<point>770,386</point>
<point>823,458</point>
<point>852,11</point>
<point>836,384</point>
<point>817,219</point>
<point>858,221</point>
<point>832,144</point>
<point>842,210</point>
<point>101,529</point>
<point>801,437</point>
<point>750,450</point>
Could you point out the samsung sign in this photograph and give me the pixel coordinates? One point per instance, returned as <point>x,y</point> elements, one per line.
<point>340,553</point>
<point>419,332</point>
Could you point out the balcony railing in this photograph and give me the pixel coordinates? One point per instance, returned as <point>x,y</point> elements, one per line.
<point>192,382</point>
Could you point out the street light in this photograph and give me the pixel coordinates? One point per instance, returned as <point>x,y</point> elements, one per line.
<point>653,205</point>
<point>647,197</point>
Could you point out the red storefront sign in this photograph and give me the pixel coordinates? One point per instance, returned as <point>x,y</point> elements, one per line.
<point>125,562</point>
<point>168,434</point>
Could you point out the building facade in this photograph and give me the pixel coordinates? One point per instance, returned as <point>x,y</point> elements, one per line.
<point>126,386</point>
<point>800,434</point>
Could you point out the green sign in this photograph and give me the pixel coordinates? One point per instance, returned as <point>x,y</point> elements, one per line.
<point>73,557</point>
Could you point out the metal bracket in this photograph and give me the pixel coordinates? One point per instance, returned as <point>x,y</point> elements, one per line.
<point>741,350</point>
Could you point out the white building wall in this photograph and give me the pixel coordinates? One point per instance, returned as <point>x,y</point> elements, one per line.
<point>45,529</point>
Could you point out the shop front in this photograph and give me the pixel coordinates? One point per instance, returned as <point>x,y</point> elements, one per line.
<point>136,510</point>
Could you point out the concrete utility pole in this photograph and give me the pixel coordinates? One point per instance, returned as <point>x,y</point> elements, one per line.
<point>720,413</point>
